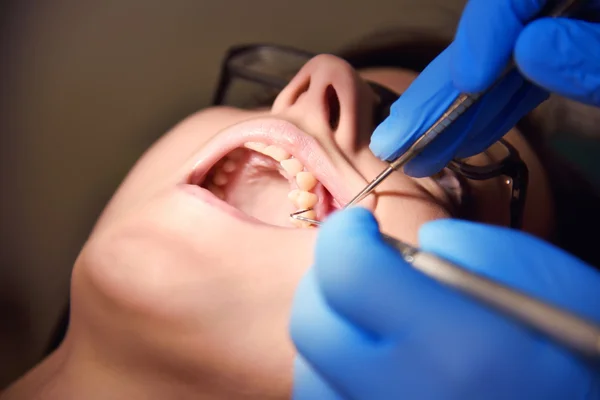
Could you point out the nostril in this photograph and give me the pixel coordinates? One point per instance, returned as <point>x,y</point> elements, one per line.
<point>301,90</point>
<point>333,103</point>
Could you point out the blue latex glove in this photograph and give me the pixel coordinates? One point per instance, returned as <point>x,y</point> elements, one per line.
<point>368,326</point>
<point>560,55</point>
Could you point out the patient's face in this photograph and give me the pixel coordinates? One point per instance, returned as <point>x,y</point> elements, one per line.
<point>198,238</point>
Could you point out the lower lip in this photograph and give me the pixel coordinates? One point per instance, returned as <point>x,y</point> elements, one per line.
<point>207,197</point>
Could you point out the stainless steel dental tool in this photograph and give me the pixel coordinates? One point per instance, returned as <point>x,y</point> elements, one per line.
<point>564,327</point>
<point>462,103</point>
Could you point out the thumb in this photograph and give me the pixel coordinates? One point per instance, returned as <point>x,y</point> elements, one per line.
<point>563,56</point>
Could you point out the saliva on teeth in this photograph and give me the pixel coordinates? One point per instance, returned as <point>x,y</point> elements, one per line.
<point>302,197</point>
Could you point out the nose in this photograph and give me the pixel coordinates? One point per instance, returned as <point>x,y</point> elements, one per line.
<point>328,98</point>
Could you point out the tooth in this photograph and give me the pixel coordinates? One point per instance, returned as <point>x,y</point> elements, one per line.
<point>292,166</point>
<point>228,166</point>
<point>220,178</point>
<point>299,224</point>
<point>306,180</point>
<point>293,195</point>
<point>311,214</point>
<point>276,153</point>
<point>256,146</point>
<point>306,200</point>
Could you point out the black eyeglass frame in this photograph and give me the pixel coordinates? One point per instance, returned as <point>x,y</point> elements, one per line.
<point>511,166</point>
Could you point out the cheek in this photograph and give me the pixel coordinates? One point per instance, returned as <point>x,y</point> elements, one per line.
<point>403,204</point>
<point>401,212</point>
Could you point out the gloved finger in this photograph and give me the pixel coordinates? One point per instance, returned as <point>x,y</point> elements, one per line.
<point>505,106</point>
<point>429,96</point>
<point>418,324</point>
<point>308,385</point>
<point>490,119</point>
<point>416,110</point>
<point>485,38</point>
<point>563,56</point>
<point>476,127</point>
<point>523,101</point>
<point>366,281</point>
<point>440,151</point>
<point>326,340</point>
<point>547,272</point>
<point>343,359</point>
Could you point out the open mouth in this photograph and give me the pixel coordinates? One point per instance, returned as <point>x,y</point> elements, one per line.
<point>268,173</point>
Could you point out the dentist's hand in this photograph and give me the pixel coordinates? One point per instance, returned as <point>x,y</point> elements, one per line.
<point>558,55</point>
<point>368,326</point>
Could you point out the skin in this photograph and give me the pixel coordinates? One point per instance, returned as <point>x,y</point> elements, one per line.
<point>187,302</point>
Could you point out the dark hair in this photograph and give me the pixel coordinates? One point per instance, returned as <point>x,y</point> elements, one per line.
<point>577,201</point>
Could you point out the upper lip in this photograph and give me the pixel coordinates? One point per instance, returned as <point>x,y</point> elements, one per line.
<point>288,136</point>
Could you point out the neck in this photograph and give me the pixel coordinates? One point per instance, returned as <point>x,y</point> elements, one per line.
<point>65,375</point>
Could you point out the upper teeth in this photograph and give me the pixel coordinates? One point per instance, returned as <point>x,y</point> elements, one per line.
<point>276,153</point>
<point>292,166</point>
<point>305,180</point>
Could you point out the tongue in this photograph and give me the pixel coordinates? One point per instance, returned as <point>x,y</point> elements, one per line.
<point>259,190</point>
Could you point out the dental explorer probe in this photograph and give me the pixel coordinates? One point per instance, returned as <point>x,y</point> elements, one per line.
<point>578,334</point>
<point>460,105</point>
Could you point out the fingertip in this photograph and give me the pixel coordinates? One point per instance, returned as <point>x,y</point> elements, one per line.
<point>349,222</point>
<point>342,235</point>
<point>365,280</point>
<point>561,55</point>
<point>531,48</point>
<point>385,139</point>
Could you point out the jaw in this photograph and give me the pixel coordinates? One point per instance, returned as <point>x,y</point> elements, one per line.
<point>206,277</point>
